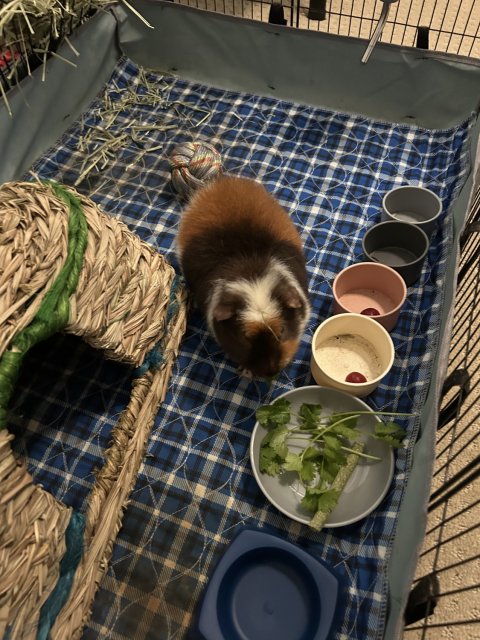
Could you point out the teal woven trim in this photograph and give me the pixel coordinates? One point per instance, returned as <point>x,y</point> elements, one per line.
<point>53,313</point>
<point>156,356</point>
<point>68,566</point>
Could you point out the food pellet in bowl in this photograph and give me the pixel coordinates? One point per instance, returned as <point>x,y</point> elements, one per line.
<point>356,377</point>
<point>340,355</point>
<point>370,311</point>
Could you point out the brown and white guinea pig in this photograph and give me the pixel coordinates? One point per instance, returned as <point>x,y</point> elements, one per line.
<point>242,259</point>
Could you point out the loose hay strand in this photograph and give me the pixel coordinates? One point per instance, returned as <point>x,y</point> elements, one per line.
<point>138,14</point>
<point>41,22</point>
<point>109,134</point>
<point>5,100</point>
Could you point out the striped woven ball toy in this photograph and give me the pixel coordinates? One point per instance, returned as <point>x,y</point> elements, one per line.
<point>193,164</point>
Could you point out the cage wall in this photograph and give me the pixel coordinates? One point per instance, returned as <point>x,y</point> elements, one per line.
<point>446,591</point>
<point>442,25</point>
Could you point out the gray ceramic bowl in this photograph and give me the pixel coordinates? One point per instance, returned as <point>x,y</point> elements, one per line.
<point>400,245</point>
<point>417,205</point>
<point>368,484</point>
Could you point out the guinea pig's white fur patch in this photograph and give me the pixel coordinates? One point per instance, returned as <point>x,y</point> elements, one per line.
<point>260,305</point>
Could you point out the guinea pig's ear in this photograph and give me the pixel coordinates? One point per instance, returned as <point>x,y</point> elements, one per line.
<point>223,311</point>
<point>225,307</point>
<point>290,296</point>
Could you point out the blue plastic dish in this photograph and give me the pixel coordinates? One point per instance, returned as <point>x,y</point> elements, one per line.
<point>265,587</point>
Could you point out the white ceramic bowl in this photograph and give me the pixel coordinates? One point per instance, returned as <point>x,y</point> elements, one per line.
<point>347,343</point>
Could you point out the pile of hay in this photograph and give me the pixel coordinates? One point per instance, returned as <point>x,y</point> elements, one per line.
<point>32,30</point>
<point>35,26</point>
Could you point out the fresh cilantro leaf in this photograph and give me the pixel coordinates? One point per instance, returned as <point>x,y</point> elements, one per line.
<point>333,466</point>
<point>276,439</point>
<point>328,470</point>
<point>328,499</point>
<point>310,501</point>
<point>323,461</point>
<point>307,472</point>
<point>332,442</point>
<point>320,499</point>
<point>312,453</point>
<point>273,451</point>
<point>316,490</point>
<point>293,462</point>
<point>334,455</point>
<point>346,429</point>
<point>325,475</point>
<point>274,415</point>
<point>391,433</point>
<point>269,461</point>
<point>310,415</point>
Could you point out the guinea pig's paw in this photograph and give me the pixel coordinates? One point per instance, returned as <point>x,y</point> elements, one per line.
<point>245,373</point>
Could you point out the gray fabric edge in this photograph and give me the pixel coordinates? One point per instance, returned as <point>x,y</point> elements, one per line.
<point>43,110</point>
<point>408,542</point>
<point>398,84</point>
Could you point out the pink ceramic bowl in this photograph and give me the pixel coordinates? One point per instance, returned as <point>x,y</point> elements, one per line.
<point>372,289</point>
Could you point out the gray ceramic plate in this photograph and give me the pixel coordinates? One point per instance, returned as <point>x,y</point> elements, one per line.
<point>368,484</point>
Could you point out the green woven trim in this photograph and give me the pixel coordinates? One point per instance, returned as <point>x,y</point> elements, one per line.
<point>53,313</point>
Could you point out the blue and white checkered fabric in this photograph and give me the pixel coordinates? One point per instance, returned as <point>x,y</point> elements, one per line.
<point>196,488</point>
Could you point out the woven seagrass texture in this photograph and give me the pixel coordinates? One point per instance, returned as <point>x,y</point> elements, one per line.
<point>32,543</point>
<point>127,303</point>
<point>122,297</point>
<point>115,481</point>
<point>33,246</point>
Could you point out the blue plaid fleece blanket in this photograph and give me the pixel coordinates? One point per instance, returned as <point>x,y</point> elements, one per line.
<point>196,489</point>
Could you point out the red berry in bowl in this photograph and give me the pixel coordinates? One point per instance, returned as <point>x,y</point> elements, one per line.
<point>355,377</point>
<point>370,311</point>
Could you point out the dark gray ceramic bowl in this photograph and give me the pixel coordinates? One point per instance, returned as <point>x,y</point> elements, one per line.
<point>400,245</point>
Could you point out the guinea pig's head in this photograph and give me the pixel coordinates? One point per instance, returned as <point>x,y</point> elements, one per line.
<point>257,325</point>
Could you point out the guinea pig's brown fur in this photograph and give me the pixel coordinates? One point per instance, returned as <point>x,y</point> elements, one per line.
<point>243,262</point>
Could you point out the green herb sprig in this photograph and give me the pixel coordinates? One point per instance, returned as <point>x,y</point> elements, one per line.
<point>333,446</point>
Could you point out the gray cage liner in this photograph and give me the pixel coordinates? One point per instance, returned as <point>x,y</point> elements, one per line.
<point>398,84</point>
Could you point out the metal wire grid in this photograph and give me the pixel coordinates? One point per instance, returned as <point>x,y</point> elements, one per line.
<point>451,26</point>
<point>447,582</point>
